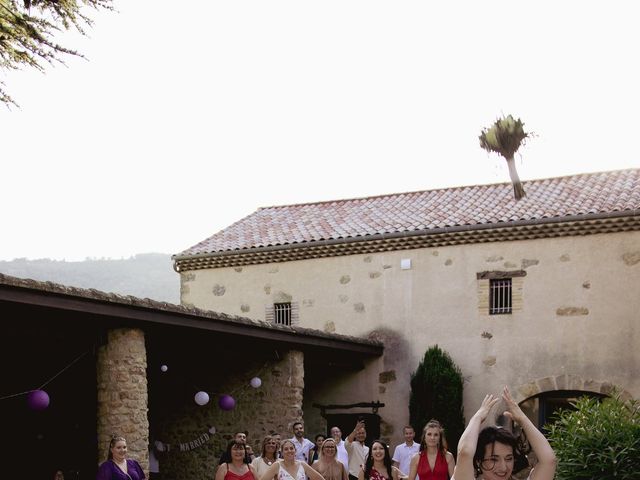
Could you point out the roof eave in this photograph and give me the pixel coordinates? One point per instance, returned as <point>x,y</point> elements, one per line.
<point>480,233</point>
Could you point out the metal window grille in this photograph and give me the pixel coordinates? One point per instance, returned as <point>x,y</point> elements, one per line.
<point>282,313</point>
<point>500,296</point>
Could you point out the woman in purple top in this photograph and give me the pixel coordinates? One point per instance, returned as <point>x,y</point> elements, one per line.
<point>118,466</point>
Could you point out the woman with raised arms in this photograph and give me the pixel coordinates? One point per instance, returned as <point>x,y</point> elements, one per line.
<point>493,452</point>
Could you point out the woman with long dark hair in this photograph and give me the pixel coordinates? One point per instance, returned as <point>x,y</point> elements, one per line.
<point>493,453</point>
<point>378,464</point>
<point>434,461</point>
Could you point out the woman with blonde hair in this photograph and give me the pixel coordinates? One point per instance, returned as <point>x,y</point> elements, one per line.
<point>288,468</point>
<point>434,461</point>
<point>268,456</point>
<point>327,464</point>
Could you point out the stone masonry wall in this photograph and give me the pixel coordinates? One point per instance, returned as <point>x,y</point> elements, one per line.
<point>273,407</point>
<point>122,394</point>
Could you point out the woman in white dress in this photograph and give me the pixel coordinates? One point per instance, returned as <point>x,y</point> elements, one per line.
<point>493,454</point>
<point>328,465</point>
<point>288,468</point>
<point>268,456</point>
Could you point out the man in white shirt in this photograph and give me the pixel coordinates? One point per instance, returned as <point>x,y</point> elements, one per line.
<point>403,452</point>
<point>342,455</point>
<point>356,449</point>
<point>303,445</point>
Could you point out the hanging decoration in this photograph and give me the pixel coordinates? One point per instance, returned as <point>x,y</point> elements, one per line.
<point>164,368</point>
<point>201,398</point>
<point>185,446</point>
<point>255,382</point>
<point>226,402</point>
<point>38,400</point>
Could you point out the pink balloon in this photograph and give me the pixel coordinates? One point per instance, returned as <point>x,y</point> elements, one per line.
<point>38,400</point>
<point>227,402</point>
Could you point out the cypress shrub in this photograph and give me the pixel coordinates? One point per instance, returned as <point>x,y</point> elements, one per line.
<point>598,440</point>
<point>436,392</point>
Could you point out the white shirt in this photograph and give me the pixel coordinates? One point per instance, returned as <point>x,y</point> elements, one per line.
<point>403,453</point>
<point>154,466</point>
<point>341,454</point>
<point>357,453</point>
<point>302,448</point>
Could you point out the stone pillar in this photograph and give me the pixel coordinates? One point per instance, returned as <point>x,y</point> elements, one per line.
<point>293,396</point>
<point>122,394</point>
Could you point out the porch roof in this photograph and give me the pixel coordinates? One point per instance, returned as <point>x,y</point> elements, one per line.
<point>109,310</point>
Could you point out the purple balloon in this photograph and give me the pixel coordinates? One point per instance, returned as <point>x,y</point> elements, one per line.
<point>38,400</point>
<point>227,402</point>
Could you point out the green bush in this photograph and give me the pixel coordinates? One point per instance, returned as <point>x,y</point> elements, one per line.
<point>436,392</point>
<point>599,440</point>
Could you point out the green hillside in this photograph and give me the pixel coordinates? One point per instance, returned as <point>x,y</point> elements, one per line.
<point>147,275</point>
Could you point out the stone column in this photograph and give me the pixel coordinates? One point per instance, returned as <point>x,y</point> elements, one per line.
<point>122,393</point>
<point>293,395</point>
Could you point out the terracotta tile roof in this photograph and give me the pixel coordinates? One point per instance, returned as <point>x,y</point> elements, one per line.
<point>550,199</point>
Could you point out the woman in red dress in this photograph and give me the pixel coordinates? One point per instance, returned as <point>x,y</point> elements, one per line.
<point>236,469</point>
<point>433,462</point>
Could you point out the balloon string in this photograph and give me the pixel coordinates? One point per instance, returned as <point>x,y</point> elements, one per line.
<point>48,381</point>
<point>61,371</point>
<point>16,395</point>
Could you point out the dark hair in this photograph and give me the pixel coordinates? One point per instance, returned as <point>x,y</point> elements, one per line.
<point>491,435</point>
<point>112,443</point>
<point>324,437</point>
<point>234,443</point>
<point>442,444</point>
<point>296,423</point>
<point>368,464</point>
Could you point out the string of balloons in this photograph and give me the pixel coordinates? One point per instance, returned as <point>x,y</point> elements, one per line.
<point>38,399</point>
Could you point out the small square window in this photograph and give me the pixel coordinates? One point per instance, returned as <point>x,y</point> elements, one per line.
<point>282,313</point>
<point>500,296</point>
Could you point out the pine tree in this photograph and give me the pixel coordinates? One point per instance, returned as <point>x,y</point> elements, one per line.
<point>27,31</point>
<point>436,393</point>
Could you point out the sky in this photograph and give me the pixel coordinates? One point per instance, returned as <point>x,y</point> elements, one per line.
<point>185,118</point>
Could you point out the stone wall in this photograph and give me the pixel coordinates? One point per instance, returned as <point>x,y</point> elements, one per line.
<point>273,407</point>
<point>122,393</point>
<point>575,312</point>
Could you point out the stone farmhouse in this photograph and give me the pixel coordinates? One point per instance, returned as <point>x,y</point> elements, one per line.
<point>542,294</point>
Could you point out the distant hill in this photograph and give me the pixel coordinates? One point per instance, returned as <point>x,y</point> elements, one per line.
<point>146,275</point>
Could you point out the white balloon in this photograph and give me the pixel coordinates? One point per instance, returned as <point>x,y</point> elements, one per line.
<point>255,382</point>
<point>164,368</point>
<point>212,430</point>
<point>202,398</point>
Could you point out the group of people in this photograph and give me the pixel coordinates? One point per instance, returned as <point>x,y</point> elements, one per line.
<point>490,453</point>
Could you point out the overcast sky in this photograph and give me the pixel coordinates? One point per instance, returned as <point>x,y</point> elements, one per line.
<point>190,116</point>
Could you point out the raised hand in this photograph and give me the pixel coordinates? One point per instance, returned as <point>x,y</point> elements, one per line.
<point>487,404</point>
<point>514,412</point>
